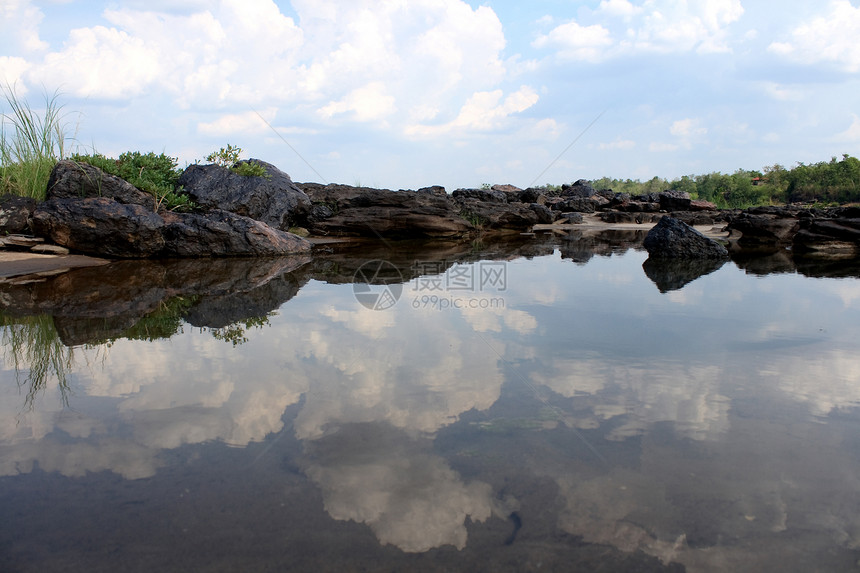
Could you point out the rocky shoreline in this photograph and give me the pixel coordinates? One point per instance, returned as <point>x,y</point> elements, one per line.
<point>88,212</point>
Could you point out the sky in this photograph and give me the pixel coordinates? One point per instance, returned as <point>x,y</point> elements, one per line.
<point>412,93</point>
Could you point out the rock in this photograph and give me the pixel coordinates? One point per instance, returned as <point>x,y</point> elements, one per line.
<point>697,205</point>
<point>221,233</point>
<point>100,226</point>
<point>531,195</point>
<point>771,230</point>
<point>21,241</point>
<point>581,188</point>
<point>617,217</point>
<point>434,190</point>
<point>15,214</point>
<point>342,210</point>
<point>73,180</point>
<point>674,239</point>
<point>507,188</point>
<point>50,250</point>
<point>675,201</point>
<point>828,236</point>
<point>572,218</point>
<point>576,205</point>
<point>486,195</point>
<point>545,216</point>
<point>274,200</point>
<point>104,227</point>
<point>503,217</point>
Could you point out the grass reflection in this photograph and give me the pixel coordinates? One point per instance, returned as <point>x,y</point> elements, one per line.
<point>32,343</point>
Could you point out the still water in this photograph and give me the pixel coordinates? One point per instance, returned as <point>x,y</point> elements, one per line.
<point>528,407</point>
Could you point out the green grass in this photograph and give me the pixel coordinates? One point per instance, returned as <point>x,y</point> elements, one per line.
<point>31,143</point>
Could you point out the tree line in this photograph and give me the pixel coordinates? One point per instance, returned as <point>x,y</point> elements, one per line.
<point>825,183</point>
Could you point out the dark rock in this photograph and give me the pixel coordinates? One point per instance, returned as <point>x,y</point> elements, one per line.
<point>361,211</point>
<point>828,236</point>
<point>581,188</point>
<point>572,218</point>
<point>617,217</point>
<point>695,217</point>
<point>501,217</point>
<point>506,188</point>
<point>16,214</point>
<point>576,205</point>
<point>671,239</point>
<point>100,226</point>
<point>104,227</point>
<point>544,215</point>
<point>765,229</point>
<point>531,195</point>
<point>224,234</point>
<point>675,201</point>
<point>72,180</point>
<point>619,201</point>
<point>274,200</point>
<point>675,274</point>
<point>434,190</point>
<point>702,206</point>
<point>486,195</point>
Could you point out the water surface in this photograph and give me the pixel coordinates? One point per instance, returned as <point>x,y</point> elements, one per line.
<point>566,410</point>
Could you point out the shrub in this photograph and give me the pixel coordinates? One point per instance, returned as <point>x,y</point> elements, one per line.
<point>229,157</point>
<point>155,174</point>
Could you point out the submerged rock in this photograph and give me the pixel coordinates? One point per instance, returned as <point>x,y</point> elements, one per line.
<point>674,239</point>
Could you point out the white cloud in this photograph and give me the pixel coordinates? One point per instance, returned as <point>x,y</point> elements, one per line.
<point>621,8</point>
<point>851,134</point>
<point>575,42</point>
<point>831,37</point>
<point>484,111</point>
<point>687,128</point>
<point>238,123</point>
<point>368,103</point>
<point>19,27</point>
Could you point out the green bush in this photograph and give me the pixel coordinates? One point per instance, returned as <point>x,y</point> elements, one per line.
<point>229,157</point>
<point>155,174</point>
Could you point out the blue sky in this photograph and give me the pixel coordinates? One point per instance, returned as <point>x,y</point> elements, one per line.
<point>410,93</point>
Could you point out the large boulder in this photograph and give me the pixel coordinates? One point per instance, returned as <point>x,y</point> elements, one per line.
<point>504,217</point>
<point>675,201</point>
<point>766,229</point>
<point>104,227</point>
<point>274,200</point>
<point>221,233</point>
<point>674,239</point>
<point>100,226</point>
<point>342,210</point>
<point>74,180</point>
<point>16,214</point>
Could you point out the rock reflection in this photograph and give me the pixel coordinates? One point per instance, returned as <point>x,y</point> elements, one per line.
<point>675,274</point>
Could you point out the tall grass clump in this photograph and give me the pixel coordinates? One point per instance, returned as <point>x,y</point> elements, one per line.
<point>31,143</point>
